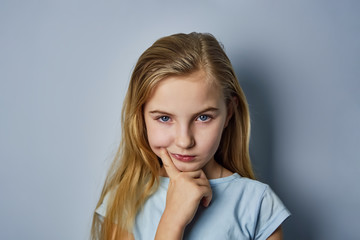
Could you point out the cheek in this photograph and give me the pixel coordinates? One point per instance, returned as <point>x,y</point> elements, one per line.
<point>210,141</point>
<point>158,138</point>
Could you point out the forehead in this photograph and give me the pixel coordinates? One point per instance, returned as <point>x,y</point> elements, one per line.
<point>185,93</point>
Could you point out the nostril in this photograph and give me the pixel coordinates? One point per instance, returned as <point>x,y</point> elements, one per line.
<point>185,142</point>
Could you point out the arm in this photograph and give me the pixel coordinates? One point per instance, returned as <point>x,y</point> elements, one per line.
<point>166,230</point>
<point>276,235</point>
<point>185,192</point>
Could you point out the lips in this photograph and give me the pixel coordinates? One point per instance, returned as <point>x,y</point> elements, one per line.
<point>183,158</point>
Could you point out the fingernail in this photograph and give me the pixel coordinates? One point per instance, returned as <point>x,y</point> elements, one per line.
<point>163,151</point>
<point>204,202</point>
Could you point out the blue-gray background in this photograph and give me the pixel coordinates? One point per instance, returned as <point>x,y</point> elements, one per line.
<point>65,66</point>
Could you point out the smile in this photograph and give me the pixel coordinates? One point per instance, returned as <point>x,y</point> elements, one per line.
<point>183,158</point>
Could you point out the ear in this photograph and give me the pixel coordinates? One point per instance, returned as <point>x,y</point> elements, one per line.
<point>232,105</point>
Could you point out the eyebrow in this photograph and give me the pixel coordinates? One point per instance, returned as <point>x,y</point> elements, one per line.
<point>209,109</point>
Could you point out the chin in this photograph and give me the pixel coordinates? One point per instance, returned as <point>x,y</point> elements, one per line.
<point>186,167</point>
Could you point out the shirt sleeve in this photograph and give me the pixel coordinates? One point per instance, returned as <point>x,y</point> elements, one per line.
<point>272,213</point>
<point>101,210</point>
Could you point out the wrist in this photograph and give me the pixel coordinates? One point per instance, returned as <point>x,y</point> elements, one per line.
<point>169,228</point>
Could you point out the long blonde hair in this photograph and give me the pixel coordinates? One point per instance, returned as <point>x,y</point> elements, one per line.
<point>134,173</point>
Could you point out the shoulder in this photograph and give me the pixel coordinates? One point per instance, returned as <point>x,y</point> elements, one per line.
<point>242,196</point>
<point>240,186</point>
<point>256,206</point>
<point>253,189</point>
<point>262,197</point>
<point>264,202</point>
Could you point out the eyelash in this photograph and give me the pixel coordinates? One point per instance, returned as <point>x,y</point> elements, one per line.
<point>162,120</point>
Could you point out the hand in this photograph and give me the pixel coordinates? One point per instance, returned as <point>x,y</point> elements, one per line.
<point>186,190</point>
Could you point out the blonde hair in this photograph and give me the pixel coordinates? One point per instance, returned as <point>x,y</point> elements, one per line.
<point>134,173</point>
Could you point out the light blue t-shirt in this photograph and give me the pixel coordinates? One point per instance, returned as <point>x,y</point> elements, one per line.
<point>240,208</point>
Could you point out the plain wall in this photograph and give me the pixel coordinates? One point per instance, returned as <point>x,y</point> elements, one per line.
<point>64,70</point>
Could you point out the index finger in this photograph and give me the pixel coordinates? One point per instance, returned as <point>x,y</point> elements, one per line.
<point>169,166</point>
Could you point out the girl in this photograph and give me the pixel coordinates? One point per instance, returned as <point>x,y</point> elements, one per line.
<point>182,170</point>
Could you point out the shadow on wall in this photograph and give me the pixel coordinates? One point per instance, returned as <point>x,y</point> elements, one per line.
<point>252,82</point>
<point>255,81</point>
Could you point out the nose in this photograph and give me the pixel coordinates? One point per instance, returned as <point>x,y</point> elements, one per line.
<point>184,137</point>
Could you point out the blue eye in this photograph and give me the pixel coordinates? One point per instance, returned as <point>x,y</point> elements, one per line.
<point>164,118</point>
<point>203,118</point>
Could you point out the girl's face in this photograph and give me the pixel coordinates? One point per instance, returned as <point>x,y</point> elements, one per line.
<point>186,115</point>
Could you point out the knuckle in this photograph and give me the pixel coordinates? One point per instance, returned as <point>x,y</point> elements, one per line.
<point>198,191</point>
